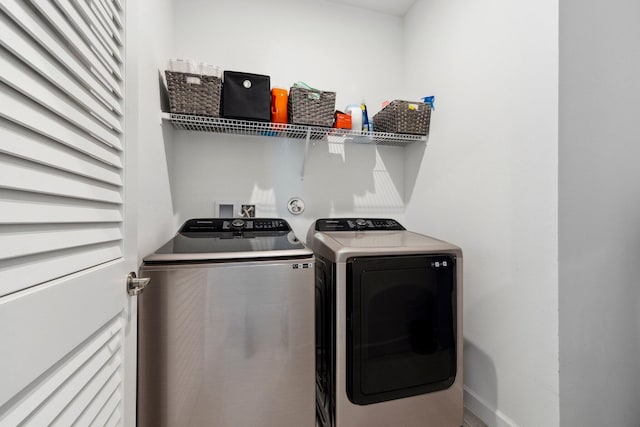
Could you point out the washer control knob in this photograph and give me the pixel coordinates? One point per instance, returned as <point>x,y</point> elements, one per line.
<point>361,223</point>
<point>238,224</point>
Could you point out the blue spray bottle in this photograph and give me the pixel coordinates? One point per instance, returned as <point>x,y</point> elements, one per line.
<point>365,116</point>
<point>429,100</point>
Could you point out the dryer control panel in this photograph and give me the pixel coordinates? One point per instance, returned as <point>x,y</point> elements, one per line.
<point>358,224</point>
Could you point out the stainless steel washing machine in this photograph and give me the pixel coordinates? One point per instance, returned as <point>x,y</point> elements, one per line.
<point>226,328</point>
<point>388,325</point>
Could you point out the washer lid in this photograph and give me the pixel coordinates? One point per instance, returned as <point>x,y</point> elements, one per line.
<point>225,239</point>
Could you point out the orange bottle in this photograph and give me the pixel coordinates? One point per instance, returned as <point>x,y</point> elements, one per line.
<point>279,100</point>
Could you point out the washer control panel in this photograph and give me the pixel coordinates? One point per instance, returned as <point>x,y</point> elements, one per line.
<point>217,225</point>
<point>357,224</point>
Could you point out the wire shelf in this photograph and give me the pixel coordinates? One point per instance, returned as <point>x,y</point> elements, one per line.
<point>243,127</point>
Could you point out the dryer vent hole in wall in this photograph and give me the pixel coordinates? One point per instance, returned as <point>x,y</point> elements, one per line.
<point>295,205</point>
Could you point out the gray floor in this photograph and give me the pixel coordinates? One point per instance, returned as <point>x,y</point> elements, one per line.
<point>470,420</point>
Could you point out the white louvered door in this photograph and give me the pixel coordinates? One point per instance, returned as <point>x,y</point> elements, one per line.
<point>64,314</point>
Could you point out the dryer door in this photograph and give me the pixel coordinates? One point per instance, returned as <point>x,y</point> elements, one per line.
<point>401,326</point>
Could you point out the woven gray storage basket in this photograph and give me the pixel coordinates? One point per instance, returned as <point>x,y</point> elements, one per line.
<point>311,107</point>
<point>194,93</point>
<point>403,117</point>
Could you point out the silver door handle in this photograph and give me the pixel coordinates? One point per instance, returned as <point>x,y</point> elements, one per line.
<point>135,285</point>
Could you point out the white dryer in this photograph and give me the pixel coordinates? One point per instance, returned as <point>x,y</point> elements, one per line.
<point>388,325</point>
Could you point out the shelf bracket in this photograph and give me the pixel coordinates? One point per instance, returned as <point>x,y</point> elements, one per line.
<point>306,153</point>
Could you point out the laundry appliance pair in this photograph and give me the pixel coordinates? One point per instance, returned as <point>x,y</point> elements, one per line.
<point>226,326</point>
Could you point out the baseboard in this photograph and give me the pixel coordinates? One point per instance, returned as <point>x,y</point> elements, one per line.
<point>491,416</point>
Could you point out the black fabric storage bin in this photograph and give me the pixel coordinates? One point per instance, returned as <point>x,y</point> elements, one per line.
<point>246,96</point>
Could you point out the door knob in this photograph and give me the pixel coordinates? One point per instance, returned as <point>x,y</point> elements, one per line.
<point>135,285</point>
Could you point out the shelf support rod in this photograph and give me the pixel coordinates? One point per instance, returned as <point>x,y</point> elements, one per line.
<point>306,153</point>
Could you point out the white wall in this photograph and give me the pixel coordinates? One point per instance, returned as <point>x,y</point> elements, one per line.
<point>153,42</point>
<point>488,182</point>
<point>355,53</point>
<point>599,216</point>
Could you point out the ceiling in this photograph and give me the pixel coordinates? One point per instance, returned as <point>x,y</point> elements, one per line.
<point>392,7</point>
